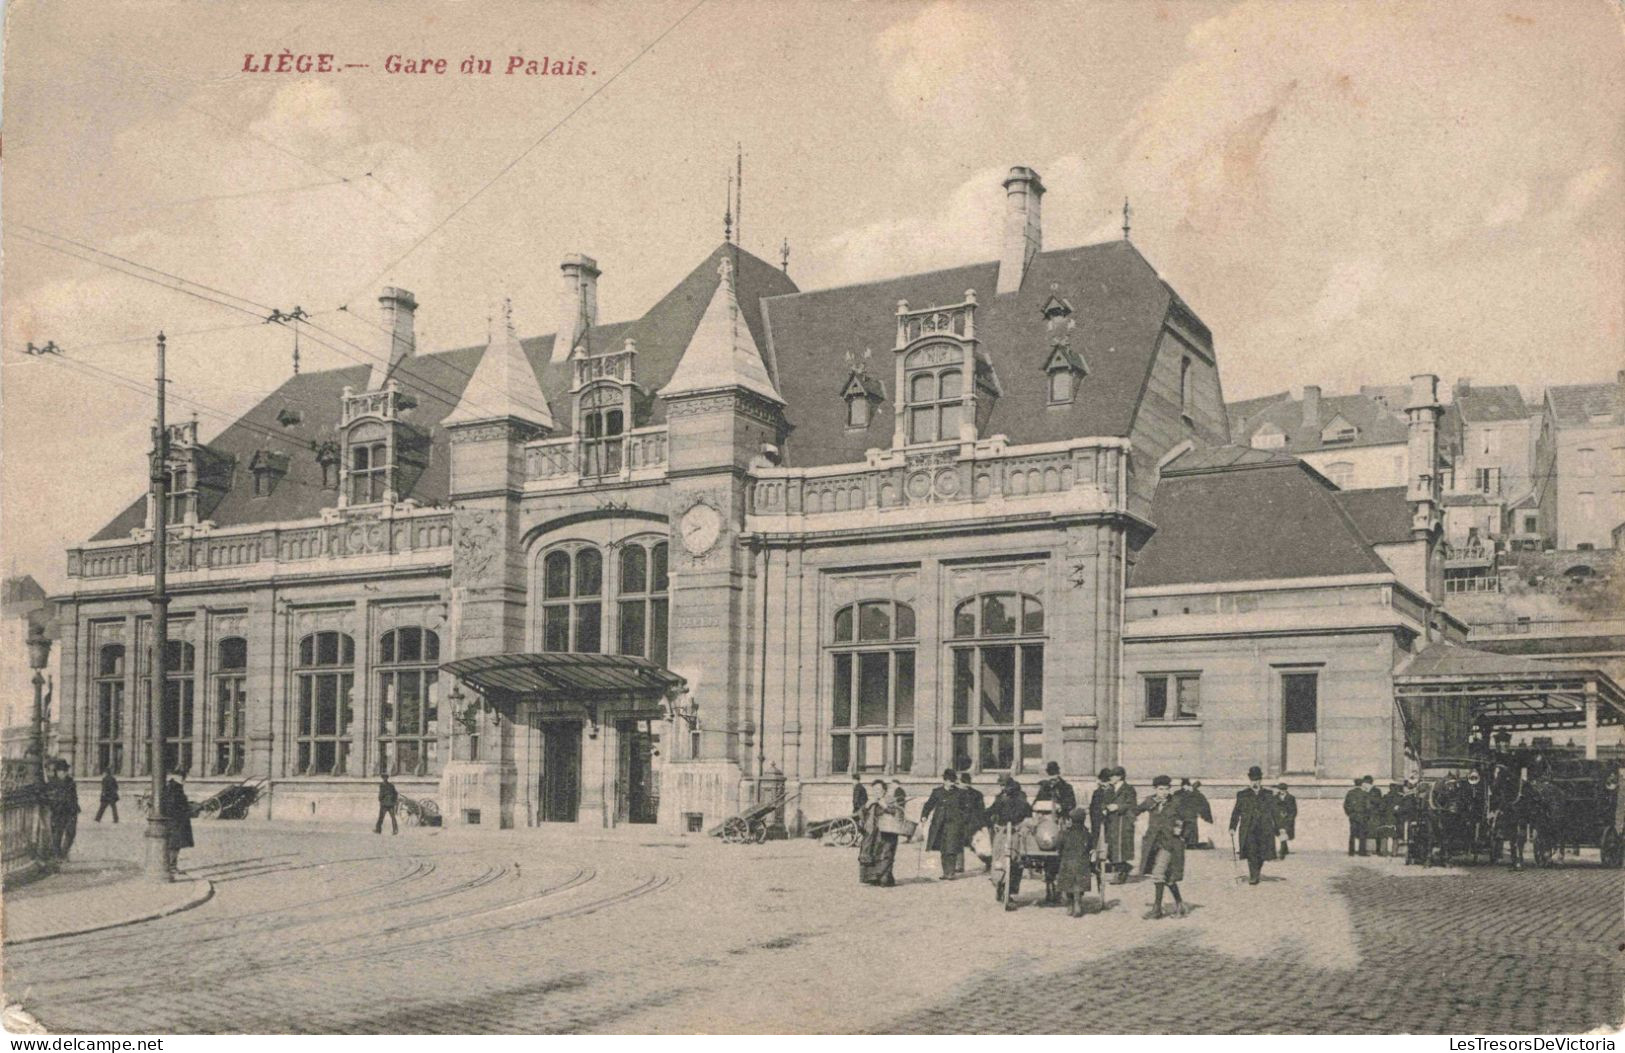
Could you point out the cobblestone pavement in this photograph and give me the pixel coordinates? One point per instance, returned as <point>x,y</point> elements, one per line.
<point>321,930</point>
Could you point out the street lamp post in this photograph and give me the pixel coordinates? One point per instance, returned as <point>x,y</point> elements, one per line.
<point>39,654</point>
<point>157,823</point>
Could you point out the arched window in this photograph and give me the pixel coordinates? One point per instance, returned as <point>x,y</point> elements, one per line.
<point>572,600</point>
<point>369,471</point>
<point>409,710</point>
<point>998,692</point>
<point>934,403</point>
<point>175,719</point>
<point>1341,474</point>
<point>110,709</point>
<point>230,724</point>
<point>601,438</point>
<point>872,687</point>
<point>324,681</point>
<point>642,600</point>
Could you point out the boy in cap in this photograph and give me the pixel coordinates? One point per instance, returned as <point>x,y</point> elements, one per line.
<point>1163,853</point>
<point>1072,877</point>
<point>1253,824</point>
<point>1286,814</point>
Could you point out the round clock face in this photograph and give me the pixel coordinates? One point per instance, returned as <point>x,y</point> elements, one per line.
<point>700,527</point>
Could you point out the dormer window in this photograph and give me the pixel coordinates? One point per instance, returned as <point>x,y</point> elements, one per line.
<point>1269,437</point>
<point>267,468</point>
<point>178,499</point>
<point>369,471</point>
<point>935,398</point>
<point>857,411</point>
<point>329,458</point>
<point>1065,368</point>
<point>862,393</point>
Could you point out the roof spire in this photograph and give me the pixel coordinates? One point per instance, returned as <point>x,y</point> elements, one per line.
<point>739,191</point>
<point>1128,214</point>
<point>728,214</point>
<point>784,256</point>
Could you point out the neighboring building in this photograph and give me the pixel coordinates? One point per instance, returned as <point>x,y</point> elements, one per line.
<point>1356,441</point>
<point>1580,456</point>
<point>22,604</point>
<point>1489,495</point>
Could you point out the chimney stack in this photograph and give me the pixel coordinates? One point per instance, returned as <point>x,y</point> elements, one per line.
<point>1463,386</point>
<point>397,308</point>
<point>1423,492</point>
<point>578,303</point>
<point>1023,226</point>
<point>1311,407</point>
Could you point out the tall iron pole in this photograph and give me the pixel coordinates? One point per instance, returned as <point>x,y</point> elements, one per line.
<point>157,822</point>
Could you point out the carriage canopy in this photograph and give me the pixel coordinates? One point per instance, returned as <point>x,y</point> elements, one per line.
<point>1447,692</point>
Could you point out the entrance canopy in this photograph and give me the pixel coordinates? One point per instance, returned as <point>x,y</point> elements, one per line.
<point>589,680</point>
<point>1446,691</point>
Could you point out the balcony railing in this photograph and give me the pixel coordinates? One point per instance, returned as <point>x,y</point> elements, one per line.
<point>346,536</point>
<point>573,461</point>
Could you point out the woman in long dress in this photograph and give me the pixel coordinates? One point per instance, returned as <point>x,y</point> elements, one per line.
<point>877,851</point>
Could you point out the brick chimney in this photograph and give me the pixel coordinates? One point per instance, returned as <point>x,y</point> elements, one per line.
<point>578,303</point>
<point>1463,386</point>
<point>1023,226</point>
<point>1424,487</point>
<point>1311,408</point>
<point>397,311</point>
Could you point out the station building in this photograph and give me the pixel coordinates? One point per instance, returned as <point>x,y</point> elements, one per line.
<point>644,571</point>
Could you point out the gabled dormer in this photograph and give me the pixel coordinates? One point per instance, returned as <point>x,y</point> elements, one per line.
<point>946,385</point>
<point>1339,432</point>
<point>607,402</point>
<point>1268,437</point>
<point>383,452</point>
<point>267,468</point>
<point>197,476</point>
<point>861,392</point>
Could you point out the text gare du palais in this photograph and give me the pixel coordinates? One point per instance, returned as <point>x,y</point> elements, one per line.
<point>325,62</point>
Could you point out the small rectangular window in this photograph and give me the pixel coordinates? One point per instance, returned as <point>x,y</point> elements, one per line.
<point>1156,697</point>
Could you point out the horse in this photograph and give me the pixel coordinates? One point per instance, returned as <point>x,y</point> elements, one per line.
<point>1450,815</point>
<point>1508,812</point>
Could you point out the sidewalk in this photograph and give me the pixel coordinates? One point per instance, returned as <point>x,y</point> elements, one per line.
<point>87,895</point>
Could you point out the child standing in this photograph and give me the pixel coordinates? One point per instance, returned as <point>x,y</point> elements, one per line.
<point>1072,880</point>
<point>1163,854</point>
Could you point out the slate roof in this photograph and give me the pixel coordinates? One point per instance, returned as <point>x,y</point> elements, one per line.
<point>1259,518</point>
<point>1482,405</point>
<point>1378,425</point>
<point>1383,515</point>
<point>1575,405</point>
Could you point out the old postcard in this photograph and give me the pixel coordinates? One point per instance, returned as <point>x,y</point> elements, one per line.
<point>704,516</point>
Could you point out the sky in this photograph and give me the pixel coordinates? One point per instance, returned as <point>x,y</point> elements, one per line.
<point>1346,193</point>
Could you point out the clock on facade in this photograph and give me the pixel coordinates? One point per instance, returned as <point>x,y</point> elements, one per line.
<point>699,527</point>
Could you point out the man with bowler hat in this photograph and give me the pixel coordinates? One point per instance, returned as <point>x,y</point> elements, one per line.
<point>949,829</point>
<point>1120,800</point>
<point>1054,788</point>
<point>1193,802</point>
<point>1253,824</point>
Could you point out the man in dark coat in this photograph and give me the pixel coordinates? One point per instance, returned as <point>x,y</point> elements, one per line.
<point>177,810</point>
<point>1163,854</point>
<point>1254,825</point>
<point>1286,814</point>
<point>1195,810</point>
<point>860,796</point>
<point>1097,803</point>
<point>109,796</point>
<point>1380,816</point>
<point>974,806</point>
<point>1054,788</point>
<point>62,796</point>
<point>1120,800</point>
<point>388,799</point>
<point>1355,804</point>
<point>1008,810</point>
<point>950,830</point>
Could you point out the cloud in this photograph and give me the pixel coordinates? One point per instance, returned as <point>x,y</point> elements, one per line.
<point>951,74</point>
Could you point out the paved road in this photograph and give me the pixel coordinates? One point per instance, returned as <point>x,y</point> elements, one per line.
<point>544,931</point>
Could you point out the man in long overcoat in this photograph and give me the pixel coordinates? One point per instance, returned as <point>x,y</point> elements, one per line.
<point>1286,814</point>
<point>950,831</point>
<point>1163,853</point>
<point>62,795</point>
<point>1118,808</point>
<point>178,811</point>
<point>1254,824</point>
<point>1355,804</point>
<point>109,796</point>
<point>1193,802</point>
<point>974,806</point>
<point>1054,788</point>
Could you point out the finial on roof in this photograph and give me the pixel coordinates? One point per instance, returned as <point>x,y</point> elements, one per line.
<point>728,213</point>
<point>1128,214</point>
<point>739,192</point>
<point>784,256</point>
<point>725,271</point>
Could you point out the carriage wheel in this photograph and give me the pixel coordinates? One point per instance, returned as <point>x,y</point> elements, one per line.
<point>734,831</point>
<point>844,833</point>
<point>756,832</point>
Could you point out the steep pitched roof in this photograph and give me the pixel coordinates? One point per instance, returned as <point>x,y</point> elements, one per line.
<point>1584,405</point>
<point>1495,403</point>
<point>1377,424</point>
<point>504,383</point>
<point>1119,304</point>
<point>1383,515</point>
<point>1260,518</point>
<point>721,353</point>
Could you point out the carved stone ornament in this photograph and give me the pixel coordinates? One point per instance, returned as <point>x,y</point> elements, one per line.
<point>477,549</point>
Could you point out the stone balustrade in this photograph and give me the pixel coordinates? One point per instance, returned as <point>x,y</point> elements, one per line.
<point>347,535</point>
<point>571,461</point>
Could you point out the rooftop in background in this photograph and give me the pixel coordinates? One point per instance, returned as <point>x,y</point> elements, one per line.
<point>1483,405</point>
<point>1587,405</point>
<point>1304,423</point>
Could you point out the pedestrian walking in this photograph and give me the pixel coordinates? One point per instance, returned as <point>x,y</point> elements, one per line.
<point>178,811</point>
<point>1163,852</point>
<point>109,796</point>
<point>1118,809</point>
<point>860,796</point>
<point>1008,811</point>
<point>62,799</point>
<point>877,851</point>
<point>1253,825</point>
<point>1196,810</point>
<point>950,827</point>
<point>1286,815</point>
<point>389,800</point>
<point>1355,804</point>
<point>1076,863</point>
<point>1054,788</point>
<point>974,807</point>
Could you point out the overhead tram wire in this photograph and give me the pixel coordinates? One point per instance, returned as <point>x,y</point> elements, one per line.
<point>183,202</point>
<point>422,385</point>
<point>526,152</point>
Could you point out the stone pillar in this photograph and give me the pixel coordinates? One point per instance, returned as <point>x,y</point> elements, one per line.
<point>73,714</point>
<point>1591,720</point>
<point>1083,673</point>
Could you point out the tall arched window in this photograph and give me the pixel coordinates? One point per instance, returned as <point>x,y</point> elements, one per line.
<point>572,599</point>
<point>872,686</point>
<point>324,682</point>
<point>934,404</point>
<point>175,719</point>
<point>110,709</point>
<point>642,600</point>
<point>369,471</point>
<point>230,718</point>
<point>408,711</point>
<point>998,693</point>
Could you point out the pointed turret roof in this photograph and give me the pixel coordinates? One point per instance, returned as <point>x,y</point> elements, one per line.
<point>722,353</point>
<point>503,384</point>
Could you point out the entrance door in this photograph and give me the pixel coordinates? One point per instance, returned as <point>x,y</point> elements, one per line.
<point>560,790</point>
<point>637,789</point>
<point>1300,701</point>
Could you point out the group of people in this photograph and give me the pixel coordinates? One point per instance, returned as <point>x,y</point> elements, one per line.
<point>62,810</point>
<point>1099,835</point>
<point>1375,816</point>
